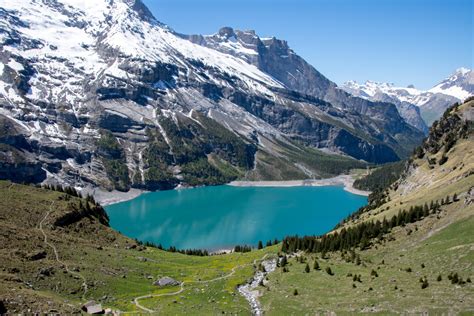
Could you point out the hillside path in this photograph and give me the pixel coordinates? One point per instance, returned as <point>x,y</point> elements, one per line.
<point>56,254</point>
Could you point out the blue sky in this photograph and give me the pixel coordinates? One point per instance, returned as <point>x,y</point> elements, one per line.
<point>416,42</point>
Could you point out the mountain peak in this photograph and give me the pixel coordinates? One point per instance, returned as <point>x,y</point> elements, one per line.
<point>459,85</point>
<point>226,32</point>
<point>142,10</point>
<point>462,71</point>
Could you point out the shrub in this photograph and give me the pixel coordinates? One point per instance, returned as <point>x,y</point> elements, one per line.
<point>424,283</point>
<point>329,271</point>
<point>316,265</point>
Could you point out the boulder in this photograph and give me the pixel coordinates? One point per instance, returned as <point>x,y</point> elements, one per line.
<point>166,281</point>
<point>3,309</point>
<point>92,307</point>
<point>37,255</point>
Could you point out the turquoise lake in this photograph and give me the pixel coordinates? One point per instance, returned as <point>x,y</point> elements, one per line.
<point>223,216</point>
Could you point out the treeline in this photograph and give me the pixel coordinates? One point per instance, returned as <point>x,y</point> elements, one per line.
<point>362,234</point>
<point>70,191</point>
<point>189,252</point>
<point>246,248</point>
<point>58,188</point>
<point>382,177</point>
<point>90,207</point>
<point>201,252</point>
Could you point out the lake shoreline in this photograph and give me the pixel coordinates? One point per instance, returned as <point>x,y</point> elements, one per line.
<point>347,181</point>
<point>106,198</point>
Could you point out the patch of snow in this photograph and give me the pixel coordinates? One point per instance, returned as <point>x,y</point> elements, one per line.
<point>453,91</point>
<point>13,64</point>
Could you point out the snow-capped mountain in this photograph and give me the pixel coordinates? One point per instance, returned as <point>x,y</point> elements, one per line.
<point>99,93</point>
<point>459,85</point>
<point>432,103</point>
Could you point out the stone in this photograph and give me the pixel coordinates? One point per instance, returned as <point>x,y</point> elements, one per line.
<point>166,281</point>
<point>92,308</point>
<point>37,255</point>
<point>46,271</point>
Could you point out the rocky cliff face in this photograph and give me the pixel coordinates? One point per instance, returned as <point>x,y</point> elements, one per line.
<point>104,95</point>
<point>274,57</point>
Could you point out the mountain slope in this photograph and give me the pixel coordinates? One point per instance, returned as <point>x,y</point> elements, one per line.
<point>74,73</point>
<point>274,57</point>
<point>431,103</point>
<point>442,166</point>
<point>408,251</point>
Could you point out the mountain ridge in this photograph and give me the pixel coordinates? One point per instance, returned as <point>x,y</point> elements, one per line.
<point>431,103</point>
<point>119,70</point>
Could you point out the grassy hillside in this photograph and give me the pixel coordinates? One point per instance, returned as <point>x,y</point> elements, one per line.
<point>423,266</point>
<point>115,269</point>
<point>428,249</point>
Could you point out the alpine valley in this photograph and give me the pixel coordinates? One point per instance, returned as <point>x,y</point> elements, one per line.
<point>102,95</point>
<point>99,102</point>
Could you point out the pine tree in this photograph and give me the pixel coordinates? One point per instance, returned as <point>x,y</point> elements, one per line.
<point>316,265</point>
<point>295,292</point>
<point>260,244</point>
<point>426,210</point>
